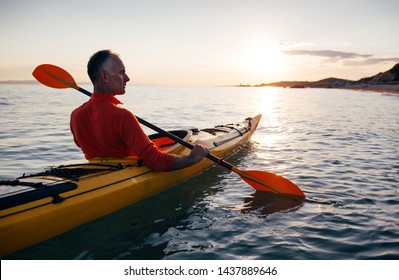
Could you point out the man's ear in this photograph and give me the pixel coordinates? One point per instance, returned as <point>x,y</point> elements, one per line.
<point>103,76</point>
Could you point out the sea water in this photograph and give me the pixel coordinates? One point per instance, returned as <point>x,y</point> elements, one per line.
<point>341,147</point>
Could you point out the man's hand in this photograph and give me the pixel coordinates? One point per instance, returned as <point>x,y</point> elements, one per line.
<point>198,153</point>
<point>195,156</point>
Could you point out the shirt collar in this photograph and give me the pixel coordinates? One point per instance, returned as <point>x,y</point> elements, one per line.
<point>105,97</point>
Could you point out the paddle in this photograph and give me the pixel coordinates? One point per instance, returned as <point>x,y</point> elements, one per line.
<point>56,77</point>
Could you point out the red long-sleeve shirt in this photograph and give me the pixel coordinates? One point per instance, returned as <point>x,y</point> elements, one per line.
<point>102,129</point>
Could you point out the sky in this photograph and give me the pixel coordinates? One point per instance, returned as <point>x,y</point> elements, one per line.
<point>202,42</point>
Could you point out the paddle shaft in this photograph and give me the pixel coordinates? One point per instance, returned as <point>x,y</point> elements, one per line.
<point>219,161</point>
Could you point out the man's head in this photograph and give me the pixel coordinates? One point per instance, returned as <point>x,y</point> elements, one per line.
<point>107,73</point>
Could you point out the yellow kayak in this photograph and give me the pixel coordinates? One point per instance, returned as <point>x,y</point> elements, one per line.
<point>37,207</point>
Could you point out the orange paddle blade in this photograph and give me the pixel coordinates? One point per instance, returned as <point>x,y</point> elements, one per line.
<point>270,182</point>
<point>54,76</point>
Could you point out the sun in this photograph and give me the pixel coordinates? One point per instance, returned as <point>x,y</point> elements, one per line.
<point>264,60</point>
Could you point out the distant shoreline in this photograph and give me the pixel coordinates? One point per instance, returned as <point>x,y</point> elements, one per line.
<point>26,82</point>
<point>363,87</point>
<point>385,82</point>
<point>19,82</point>
<point>377,88</point>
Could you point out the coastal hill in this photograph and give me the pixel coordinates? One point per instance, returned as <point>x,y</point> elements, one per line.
<point>387,78</point>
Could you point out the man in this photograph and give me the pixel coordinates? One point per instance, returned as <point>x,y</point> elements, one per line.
<point>102,129</point>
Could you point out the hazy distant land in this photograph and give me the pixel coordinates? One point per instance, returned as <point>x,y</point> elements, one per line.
<point>26,82</point>
<point>19,82</point>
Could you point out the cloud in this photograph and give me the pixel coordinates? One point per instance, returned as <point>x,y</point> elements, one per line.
<point>328,54</point>
<point>371,61</point>
<point>348,58</point>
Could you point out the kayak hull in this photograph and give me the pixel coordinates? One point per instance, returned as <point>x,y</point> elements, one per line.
<point>106,190</point>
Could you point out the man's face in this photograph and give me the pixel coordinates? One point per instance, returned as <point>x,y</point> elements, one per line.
<point>115,76</point>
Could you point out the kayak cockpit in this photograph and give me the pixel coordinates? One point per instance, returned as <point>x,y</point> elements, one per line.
<point>168,145</point>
